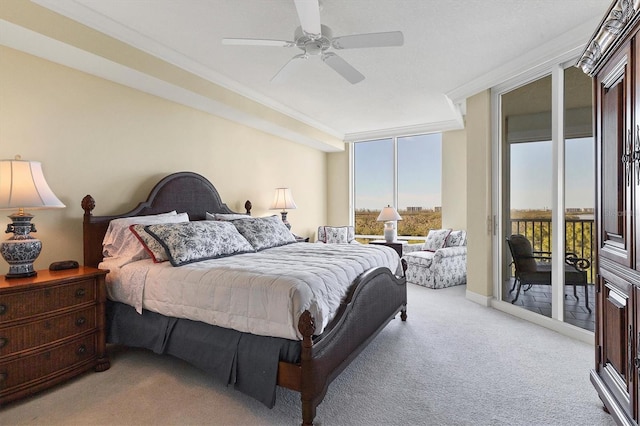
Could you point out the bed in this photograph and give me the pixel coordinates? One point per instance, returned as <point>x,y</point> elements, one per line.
<point>305,359</point>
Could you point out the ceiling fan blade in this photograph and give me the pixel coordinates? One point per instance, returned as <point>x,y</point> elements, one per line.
<point>393,38</point>
<point>343,68</point>
<point>309,15</point>
<point>257,42</point>
<point>288,69</point>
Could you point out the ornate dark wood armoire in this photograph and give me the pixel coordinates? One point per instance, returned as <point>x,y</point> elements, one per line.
<point>612,58</point>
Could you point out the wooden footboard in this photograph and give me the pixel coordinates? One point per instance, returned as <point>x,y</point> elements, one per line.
<point>375,299</point>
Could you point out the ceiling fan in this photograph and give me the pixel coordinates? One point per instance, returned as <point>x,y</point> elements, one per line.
<point>315,39</point>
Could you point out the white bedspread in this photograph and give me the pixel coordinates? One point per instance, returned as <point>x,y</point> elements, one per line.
<point>262,293</point>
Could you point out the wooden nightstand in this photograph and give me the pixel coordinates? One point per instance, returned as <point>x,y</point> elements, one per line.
<point>396,245</point>
<point>52,328</point>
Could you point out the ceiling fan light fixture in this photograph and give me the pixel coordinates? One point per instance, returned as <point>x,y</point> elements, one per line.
<point>315,39</point>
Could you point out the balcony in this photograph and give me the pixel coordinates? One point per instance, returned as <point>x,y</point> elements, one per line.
<point>579,240</point>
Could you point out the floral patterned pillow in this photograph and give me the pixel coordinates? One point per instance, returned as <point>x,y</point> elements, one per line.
<point>335,235</point>
<point>324,231</point>
<point>201,240</point>
<point>456,239</point>
<point>150,244</point>
<point>264,232</point>
<point>436,239</point>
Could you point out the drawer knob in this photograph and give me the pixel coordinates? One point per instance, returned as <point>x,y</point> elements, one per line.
<point>3,309</point>
<point>3,342</point>
<point>81,350</point>
<point>81,321</point>
<point>80,292</point>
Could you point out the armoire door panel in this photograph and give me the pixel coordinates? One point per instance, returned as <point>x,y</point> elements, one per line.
<point>615,340</point>
<point>616,159</point>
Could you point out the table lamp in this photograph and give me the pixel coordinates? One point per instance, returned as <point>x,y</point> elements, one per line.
<point>283,200</point>
<point>23,186</point>
<point>389,216</point>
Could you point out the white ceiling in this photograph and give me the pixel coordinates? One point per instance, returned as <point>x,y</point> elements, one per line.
<point>452,50</point>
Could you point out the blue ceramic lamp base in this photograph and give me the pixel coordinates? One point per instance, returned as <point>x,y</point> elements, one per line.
<point>21,250</point>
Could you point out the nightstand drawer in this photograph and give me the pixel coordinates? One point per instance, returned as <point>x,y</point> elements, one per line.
<point>39,366</point>
<point>26,336</point>
<point>28,303</point>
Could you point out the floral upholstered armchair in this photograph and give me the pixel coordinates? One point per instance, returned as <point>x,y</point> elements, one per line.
<point>337,235</point>
<point>440,262</point>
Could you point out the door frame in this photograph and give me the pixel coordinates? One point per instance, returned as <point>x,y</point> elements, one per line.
<point>499,198</point>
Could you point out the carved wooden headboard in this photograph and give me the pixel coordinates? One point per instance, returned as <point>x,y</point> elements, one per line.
<point>184,192</point>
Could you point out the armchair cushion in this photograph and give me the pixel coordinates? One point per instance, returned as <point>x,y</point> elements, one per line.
<point>336,234</point>
<point>436,239</point>
<point>410,248</point>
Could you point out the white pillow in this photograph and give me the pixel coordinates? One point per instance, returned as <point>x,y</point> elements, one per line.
<point>120,242</point>
<point>226,216</point>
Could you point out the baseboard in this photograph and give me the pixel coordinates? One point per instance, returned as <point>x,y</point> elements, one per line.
<point>561,327</point>
<point>478,298</point>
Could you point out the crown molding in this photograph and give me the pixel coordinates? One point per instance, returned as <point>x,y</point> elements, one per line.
<point>619,20</point>
<point>36,44</point>
<point>418,129</point>
<point>81,13</point>
<point>562,49</point>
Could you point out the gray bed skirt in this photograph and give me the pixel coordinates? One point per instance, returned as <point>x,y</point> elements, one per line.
<point>247,361</point>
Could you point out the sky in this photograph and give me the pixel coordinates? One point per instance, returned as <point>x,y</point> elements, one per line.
<point>419,172</point>
<point>531,174</point>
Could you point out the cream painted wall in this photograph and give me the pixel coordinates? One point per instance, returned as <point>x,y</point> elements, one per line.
<point>100,138</point>
<point>479,243</point>
<point>454,179</point>
<point>338,186</point>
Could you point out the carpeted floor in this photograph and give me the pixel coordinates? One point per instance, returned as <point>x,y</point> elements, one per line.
<point>452,363</point>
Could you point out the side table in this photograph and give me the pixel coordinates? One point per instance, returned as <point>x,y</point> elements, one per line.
<point>52,328</point>
<point>396,245</point>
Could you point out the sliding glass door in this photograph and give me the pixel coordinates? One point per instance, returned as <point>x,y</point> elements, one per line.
<point>528,201</point>
<point>544,202</point>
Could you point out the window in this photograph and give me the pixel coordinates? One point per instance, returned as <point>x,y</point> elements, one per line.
<point>404,172</point>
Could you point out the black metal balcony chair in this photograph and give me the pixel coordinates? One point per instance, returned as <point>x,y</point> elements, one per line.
<point>534,268</point>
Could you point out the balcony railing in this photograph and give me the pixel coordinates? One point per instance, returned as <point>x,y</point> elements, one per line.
<point>578,237</point>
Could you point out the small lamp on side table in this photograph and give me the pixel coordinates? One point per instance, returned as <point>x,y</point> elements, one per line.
<point>283,200</point>
<point>389,216</point>
<point>23,186</point>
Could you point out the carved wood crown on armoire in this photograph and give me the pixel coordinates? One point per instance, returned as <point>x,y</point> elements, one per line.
<point>612,58</point>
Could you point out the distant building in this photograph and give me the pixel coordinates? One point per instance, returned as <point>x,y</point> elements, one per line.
<point>437,209</point>
<point>579,210</point>
<point>414,209</point>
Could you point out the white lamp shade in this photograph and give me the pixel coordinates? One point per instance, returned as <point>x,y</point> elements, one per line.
<point>22,186</point>
<point>388,213</point>
<point>283,199</point>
